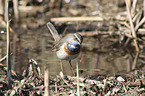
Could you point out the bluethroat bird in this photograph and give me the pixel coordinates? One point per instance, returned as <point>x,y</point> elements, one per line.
<point>68,47</point>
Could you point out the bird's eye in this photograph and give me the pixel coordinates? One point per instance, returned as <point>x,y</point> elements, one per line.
<point>77,39</point>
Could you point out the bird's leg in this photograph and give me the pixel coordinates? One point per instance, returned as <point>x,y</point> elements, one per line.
<point>61,66</point>
<point>71,67</point>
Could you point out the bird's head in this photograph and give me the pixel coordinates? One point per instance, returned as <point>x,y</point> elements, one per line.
<point>78,38</point>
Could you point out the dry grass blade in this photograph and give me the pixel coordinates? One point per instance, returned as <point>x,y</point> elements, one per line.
<point>140,23</point>
<point>37,67</point>
<point>4,58</point>
<point>137,16</point>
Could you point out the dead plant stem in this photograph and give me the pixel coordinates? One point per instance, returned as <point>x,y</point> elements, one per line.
<point>8,44</point>
<point>135,60</point>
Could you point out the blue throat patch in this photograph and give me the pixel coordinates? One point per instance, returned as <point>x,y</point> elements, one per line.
<point>73,46</point>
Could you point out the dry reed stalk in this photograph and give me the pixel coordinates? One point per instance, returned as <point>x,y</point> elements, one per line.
<point>46,71</point>
<point>78,85</point>
<point>74,19</point>
<point>133,5</point>
<point>8,45</point>
<point>2,59</point>
<point>144,7</point>
<point>132,27</point>
<point>16,9</point>
<point>96,33</point>
<point>46,81</point>
<point>1,7</point>
<point>135,60</point>
<point>129,3</point>
<point>140,23</point>
<point>137,16</point>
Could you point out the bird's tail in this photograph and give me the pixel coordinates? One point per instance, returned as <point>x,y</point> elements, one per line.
<point>53,31</point>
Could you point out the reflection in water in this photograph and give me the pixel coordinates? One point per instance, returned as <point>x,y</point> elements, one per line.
<point>89,65</point>
<point>91,61</point>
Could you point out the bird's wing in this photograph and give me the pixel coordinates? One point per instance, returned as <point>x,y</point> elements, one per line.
<point>61,41</point>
